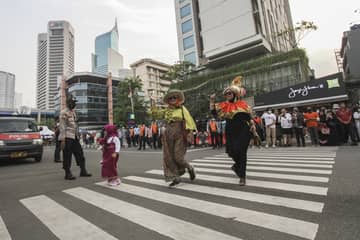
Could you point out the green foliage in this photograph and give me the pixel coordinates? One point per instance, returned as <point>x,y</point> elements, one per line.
<point>127,88</point>
<point>198,87</point>
<point>258,65</point>
<point>179,71</point>
<point>295,34</point>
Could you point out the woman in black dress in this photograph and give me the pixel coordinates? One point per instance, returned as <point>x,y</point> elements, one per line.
<point>239,123</point>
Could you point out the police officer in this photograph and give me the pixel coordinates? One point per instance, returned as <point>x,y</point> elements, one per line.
<point>69,137</point>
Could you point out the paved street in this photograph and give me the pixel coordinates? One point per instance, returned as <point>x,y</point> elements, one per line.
<point>291,193</point>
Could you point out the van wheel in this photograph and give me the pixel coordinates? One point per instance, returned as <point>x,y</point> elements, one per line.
<point>38,158</point>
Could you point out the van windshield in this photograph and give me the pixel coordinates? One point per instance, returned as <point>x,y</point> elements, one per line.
<point>17,125</point>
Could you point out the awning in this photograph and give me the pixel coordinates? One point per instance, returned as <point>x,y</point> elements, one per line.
<point>324,90</point>
<point>338,98</point>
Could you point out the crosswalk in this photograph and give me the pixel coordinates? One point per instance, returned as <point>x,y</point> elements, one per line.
<point>284,198</point>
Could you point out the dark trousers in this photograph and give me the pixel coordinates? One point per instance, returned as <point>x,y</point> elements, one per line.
<point>314,135</point>
<point>72,146</point>
<point>214,139</point>
<point>142,142</point>
<point>57,150</point>
<point>346,130</point>
<point>299,133</point>
<point>240,159</point>
<point>220,137</point>
<point>128,140</point>
<point>154,140</point>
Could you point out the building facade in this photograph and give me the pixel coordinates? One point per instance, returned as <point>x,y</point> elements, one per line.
<point>350,53</point>
<point>55,59</point>
<point>151,73</point>
<point>107,59</point>
<point>206,35</point>
<point>91,92</point>
<point>7,89</point>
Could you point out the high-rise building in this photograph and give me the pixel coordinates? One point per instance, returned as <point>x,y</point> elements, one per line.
<point>107,58</point>
<point>350,53</point>
<point>55,58</point>
<point>7,89</point>
<point>223,31</point>
<point>18,100</point>
<point>151,73</point>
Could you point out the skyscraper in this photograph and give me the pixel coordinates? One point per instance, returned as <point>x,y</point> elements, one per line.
<point>55,58</point>
<point>7,89</point>
<point>107,58</point>
<point>219,32</point>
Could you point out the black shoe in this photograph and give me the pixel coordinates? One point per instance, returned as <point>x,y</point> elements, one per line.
<point>192,173</point>
<point>175,182</point>
<point>85,174</point>
<point>69,176</point>
<point>57,161</point>
<point>242,182</point>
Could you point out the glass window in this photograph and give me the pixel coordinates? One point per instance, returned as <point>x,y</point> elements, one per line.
<point>190,57</point>
<point>188,42</point>
<point>180,1</point>
<point>185,11</point>
<point>186,26</point>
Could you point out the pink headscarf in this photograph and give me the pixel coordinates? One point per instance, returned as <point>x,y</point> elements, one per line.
<point>111,130</point>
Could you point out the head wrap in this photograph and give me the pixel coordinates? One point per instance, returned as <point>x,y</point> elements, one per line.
<point>174,92</point>
<point>236,87</point>
<point>111,130</point>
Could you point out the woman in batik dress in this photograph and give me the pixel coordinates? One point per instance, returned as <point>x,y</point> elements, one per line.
<point>179,124</point>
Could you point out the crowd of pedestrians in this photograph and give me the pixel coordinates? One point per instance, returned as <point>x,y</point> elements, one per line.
<point>334,126</point>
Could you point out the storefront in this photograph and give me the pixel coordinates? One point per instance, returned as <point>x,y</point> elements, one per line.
<point>326,90</point>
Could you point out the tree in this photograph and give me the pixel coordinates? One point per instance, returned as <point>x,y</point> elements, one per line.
<point>296,34</point>
<point>128,101</point>
<point>178,71</point>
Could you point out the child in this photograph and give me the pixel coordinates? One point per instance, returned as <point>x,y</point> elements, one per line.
<point>111,148</point>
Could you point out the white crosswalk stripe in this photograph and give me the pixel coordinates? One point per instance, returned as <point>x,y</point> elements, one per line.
<point>274,222</point>
<point>4,234</point>
<point>266,160</point>
<point>62,221</point>
<point>261,184</point>
<point>305,178</point>
<point>163,224</point>
<point>285,183</point>
<point>300,170</point>
<point>248,196</point>
<point>269,163</point>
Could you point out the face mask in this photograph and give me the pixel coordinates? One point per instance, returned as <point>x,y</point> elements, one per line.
<point>72,105</point>
<point>269,112</point>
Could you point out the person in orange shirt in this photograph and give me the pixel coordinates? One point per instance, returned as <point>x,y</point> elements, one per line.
<point>155,133</point>
<point>142,136</point>
<point>212,129</point>
<point>312,122</point>
<point>132,136</point>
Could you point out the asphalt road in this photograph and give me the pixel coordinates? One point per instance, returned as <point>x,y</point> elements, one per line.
<point>291,193</point>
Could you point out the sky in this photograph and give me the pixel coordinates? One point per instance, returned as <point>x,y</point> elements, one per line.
<point>147,29</point>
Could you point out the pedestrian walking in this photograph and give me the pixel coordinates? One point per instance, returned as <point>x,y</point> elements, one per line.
<point>239,123</point>
<point>69,137</point>
<point>111,148</point>
<point>179,124</point>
